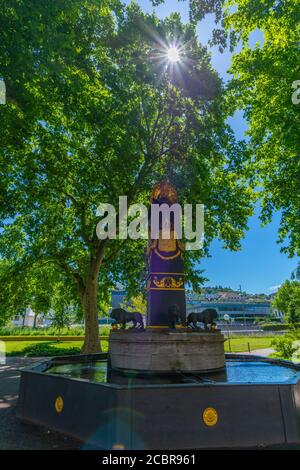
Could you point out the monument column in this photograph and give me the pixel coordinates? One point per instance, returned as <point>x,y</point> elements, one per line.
<point>166,266</point>
<point>157,349</point>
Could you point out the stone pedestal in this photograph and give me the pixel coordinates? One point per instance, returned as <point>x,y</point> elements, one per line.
<point>166,351</point>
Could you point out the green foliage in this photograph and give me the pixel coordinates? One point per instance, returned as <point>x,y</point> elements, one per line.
<point>296,273</point>
<point>136,304</point>
<point>276,326</point>
<point>93,114</point>
<point>287,301</point>
<point>262,87</point>
<point>51,331</point>
<point>273,319</point>
<point>37,287</point>
<point>286,346</point>
<point>48,349</point>
<point>16,348</point>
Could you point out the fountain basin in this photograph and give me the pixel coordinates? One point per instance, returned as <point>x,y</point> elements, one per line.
<point>251,403</point>
<point>165,351</point>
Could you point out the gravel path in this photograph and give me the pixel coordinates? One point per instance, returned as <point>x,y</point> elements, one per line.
<point>13,433</point>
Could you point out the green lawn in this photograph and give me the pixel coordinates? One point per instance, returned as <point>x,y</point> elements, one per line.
<point>16,348</point>
<point>240,344</point>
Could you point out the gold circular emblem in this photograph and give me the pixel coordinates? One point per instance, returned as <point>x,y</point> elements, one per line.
<point>59,404</point>
<point>210,416</point>
<point>118,447</point>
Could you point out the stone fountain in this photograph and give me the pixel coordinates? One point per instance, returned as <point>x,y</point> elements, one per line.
<point>166,386</point>
<point>166,345</point>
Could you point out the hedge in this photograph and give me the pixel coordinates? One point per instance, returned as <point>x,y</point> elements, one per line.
<point>278,327</point>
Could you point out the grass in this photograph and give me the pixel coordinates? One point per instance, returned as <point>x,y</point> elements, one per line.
<point>52,348</point>
<point>240,343</point>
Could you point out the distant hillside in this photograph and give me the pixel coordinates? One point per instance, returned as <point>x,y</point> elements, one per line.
<point>225,294</point>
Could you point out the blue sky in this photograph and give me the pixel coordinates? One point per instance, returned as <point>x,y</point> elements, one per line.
<point>259,266</point>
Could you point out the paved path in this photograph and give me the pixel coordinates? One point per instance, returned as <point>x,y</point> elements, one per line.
<point>260,352</point>
<point>13,433</point>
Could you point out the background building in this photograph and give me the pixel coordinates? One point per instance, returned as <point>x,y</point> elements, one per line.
<point>240,310</point>
<point>29,318</point>
<point>236,304</point>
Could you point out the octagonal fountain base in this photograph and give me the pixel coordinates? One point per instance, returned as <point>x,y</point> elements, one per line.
<point>252,403</point>
<point>164,350</point>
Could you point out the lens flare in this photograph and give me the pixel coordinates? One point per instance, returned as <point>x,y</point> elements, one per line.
<point>173,54</point>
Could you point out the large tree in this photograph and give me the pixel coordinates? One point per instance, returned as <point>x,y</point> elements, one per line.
<point>265,77</point>
<point>94,112</point>
<point>287,301</point>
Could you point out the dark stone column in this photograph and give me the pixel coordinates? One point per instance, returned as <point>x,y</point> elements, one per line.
<point>166,267</point>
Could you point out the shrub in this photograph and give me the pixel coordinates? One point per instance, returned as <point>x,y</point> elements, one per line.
<point>47,349</point>
<point>105,330</point>
<point>296,352</point>
<point>286,346</point>
<point>273,320</point>
<point>276,326</point>
<point>287,300</point>
<point>50,331</point>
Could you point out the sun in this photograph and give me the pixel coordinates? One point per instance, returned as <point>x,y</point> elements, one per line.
<point>173,54</point>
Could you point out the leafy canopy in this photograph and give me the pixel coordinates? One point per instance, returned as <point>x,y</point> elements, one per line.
<point>92,114</point>
<point>262,87</point>
<point>287,301</point>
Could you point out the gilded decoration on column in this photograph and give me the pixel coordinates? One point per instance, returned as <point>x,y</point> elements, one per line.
<point>161,247</point>
<point>164,190</point>
<point>171,248</point>
<point>168,282</point>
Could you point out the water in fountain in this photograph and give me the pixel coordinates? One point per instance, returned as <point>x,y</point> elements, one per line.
<point>236,371</point>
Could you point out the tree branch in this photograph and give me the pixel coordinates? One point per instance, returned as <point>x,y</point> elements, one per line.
<point>82,214</point>
<point>115,252</point>
<point>69,271</point>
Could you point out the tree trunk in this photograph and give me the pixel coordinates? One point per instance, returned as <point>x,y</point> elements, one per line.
<point>89,302</point>
<point>34,320</point>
